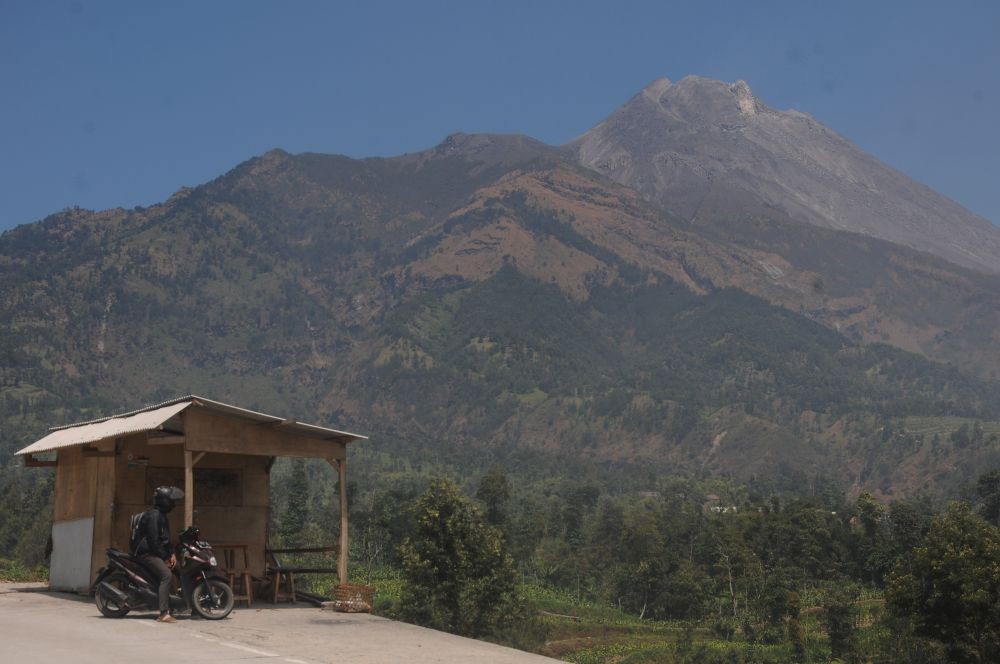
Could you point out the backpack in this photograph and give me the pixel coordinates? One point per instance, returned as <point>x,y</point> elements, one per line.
<point>135,531</point>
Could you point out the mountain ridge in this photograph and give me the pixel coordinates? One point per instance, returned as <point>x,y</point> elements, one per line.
<point>946,314</point>
<point>499,298</point>
<point>496,299</point>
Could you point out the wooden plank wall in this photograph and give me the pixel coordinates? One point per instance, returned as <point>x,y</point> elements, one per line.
<point>104,508</point>
<point>85,487</point>
<point>75,487</point>
<point>244,521</point>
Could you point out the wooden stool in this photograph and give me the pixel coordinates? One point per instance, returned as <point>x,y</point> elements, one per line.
<point>282,585</point>
<point>242,586</point>
<point>238,575</point>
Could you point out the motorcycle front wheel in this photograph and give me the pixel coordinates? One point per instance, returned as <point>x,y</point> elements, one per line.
<point>202,604</point>
<point>110,607</point>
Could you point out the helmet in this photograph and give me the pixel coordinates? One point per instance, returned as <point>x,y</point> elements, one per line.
<point>165,497</point>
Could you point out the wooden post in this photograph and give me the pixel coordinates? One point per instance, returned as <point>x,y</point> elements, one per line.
<point>190,461</point>
<point>342,562</point>
<point>188,488</point>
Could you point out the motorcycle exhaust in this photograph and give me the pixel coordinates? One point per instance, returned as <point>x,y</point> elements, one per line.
<point>111,593</point>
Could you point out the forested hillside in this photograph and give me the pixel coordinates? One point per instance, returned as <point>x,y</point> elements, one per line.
<point>481,296</point>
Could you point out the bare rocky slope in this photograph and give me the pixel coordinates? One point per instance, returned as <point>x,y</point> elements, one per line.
<point>706,150</point>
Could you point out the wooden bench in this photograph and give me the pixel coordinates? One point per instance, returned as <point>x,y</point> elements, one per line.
<point>282,577</point>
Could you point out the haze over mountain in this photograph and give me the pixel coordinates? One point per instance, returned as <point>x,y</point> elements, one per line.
<point>706,149</point>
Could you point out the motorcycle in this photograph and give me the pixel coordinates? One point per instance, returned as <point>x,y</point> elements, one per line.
<point>126,584</point>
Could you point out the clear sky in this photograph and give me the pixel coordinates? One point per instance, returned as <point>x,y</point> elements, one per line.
<point>106,104</point>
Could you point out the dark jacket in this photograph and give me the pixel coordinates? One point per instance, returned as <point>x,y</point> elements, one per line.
<point>155,538</point>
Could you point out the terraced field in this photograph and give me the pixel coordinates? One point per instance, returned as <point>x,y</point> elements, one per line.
<point>944,426</point>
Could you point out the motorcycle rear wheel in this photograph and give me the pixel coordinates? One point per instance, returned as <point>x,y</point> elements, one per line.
<point>110,607</point>
<point>201,600</point>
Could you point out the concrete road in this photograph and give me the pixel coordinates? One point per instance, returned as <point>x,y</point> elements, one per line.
<point>37,627</point>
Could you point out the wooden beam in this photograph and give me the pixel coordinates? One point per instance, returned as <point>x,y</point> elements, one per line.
<point>306,549</point>
<point>188,489</point>
<point>206,432</point>
<point>342,558</point>
<point>287,446</point>
<point>190,461</point>
<point>31,462</point>
<point>166,440</point>
<point>281,423</point>
<point>334,464</point>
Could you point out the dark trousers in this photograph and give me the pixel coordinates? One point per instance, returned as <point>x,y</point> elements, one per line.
<point>163,572</point>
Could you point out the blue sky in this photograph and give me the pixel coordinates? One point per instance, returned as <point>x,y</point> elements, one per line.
<point>106,104</point>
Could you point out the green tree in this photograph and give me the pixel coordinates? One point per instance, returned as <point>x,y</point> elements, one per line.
<point>797,638</point>
<point>838,613</point>
<point>876,549</point>
<point>908,523</point>
<point>951,589</point>
<point>457,574</point>
<point>988,493</point>
<point>296,516</point>
<point>494,492</point>
<point>605,535</point>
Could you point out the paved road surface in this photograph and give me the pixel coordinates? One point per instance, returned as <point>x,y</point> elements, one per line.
<point>37,627</point>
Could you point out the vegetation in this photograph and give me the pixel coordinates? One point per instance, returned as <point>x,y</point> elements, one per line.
<point>457,574</point>
<point>691,570</point>
<point>12,571</point>
<point>950,588</point>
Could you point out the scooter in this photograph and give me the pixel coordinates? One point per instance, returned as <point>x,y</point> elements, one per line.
<point>126,584</point>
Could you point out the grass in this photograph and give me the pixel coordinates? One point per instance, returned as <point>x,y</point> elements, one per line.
<point>592,632</point>
<point>532,398</point>
<point>12,571</point>
<point>587,632</point>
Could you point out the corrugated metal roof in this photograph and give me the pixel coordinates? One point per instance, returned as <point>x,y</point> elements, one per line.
<point>92,432</point>
<point>151,417</point>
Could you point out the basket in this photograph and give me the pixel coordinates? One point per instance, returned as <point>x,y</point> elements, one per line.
<point>353,598</point>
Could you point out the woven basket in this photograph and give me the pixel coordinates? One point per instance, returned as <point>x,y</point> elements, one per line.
<point>353,598</point>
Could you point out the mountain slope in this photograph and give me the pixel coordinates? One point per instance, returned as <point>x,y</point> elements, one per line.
<point>483,299</point>
<point>708,150</point>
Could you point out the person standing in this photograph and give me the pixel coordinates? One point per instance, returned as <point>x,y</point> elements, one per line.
<point>153,547</point>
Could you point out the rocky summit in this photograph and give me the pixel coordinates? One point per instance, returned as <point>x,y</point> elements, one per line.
<point>706,149</point>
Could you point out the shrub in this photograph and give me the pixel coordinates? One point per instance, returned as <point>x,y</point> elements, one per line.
<point>458,576</point>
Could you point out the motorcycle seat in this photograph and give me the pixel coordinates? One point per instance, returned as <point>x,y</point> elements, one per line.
<point>135,560</point>
<point>118,553</point>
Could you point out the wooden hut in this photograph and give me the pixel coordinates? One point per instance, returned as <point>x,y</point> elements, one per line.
<point>220,455</point>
